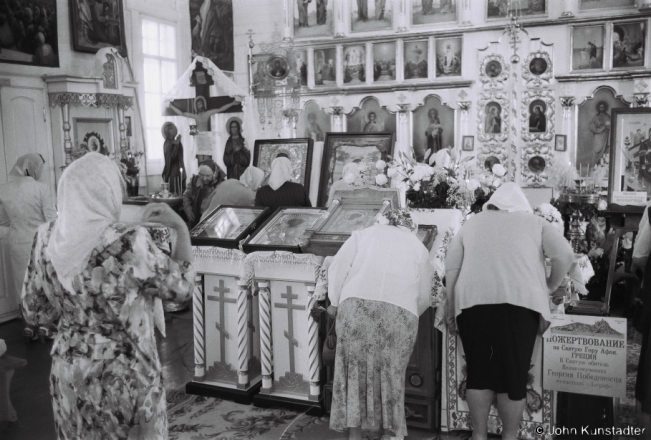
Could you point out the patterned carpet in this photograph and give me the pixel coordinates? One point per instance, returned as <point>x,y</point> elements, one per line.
<point>200,418</point>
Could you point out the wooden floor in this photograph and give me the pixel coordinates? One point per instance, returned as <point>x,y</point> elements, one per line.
<point>30,386</point>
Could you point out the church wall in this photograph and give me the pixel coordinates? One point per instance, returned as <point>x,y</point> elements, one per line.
<point>481,37</point>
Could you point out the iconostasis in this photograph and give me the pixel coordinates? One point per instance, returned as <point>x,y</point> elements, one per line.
<point>529,84</point>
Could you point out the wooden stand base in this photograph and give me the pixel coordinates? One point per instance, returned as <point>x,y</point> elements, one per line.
<point>578,410</point>
<point>244,397</point>
<point>315,409</point>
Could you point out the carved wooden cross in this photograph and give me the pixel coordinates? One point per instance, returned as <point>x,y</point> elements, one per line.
<point>223,334</point>
<point>290,322</point>
<point>201,82</point>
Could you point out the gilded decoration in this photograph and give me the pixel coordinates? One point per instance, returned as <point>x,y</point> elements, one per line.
<point>493,154</point>
<point>107,100</point>
<point>537,69</point>
<point>493,117</point>
<point>537,110</point>
<point>536,163</point>
<point>493,71</point>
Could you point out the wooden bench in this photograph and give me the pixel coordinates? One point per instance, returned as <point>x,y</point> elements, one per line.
<point>7,366</point>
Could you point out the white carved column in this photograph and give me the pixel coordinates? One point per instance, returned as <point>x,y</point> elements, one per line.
<point>337,119</point>
<point>568,104</point>
<point>199,338</point>
<point>463,107</point>
<point>339,10</point>
<point>288,19</point>
<point>402,19</point>
<point>124,145</point>
<point>402,131</point>
<point>265,336</point>
<point>67,141</point>
<point>313,345</point>
<point>310,68</point>
<point>242,335</point>
<point>369,63</point>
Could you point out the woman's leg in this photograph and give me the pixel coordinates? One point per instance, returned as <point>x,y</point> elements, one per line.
<point>510,412</point>
<point>479,404</point>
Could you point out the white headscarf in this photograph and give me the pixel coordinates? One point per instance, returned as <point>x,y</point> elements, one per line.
<point>89,200</point>
<point>28,165</point>
<point>281,172</point>
<point>252,178</point>
<point>509,197</point>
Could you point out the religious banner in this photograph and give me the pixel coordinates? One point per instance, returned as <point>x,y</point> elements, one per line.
<point>585,355</point>
<point>212,31</point>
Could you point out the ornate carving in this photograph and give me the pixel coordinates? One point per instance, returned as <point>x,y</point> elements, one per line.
<point>107,100</point>
<point>500,103</point>
<point>493,71</point>
<point>496,150</point>
<point>641,99</point>
<point>544,101</point>
<point>536,162</point>
<point>292,383</point>
<point>537,68</point>
<point>221,372</point>
<point>109,76</point>
<point>464,106</point>
<point>567,101</point>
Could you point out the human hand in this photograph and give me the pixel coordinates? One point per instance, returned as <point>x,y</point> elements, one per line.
<point>163,214</point>
<point>332,311</point>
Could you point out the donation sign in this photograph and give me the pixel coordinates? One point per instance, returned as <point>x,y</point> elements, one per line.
<point>585,355</point>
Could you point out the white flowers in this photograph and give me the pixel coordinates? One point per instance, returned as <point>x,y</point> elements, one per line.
<point>473,184</point>
<point>416,187</point>
<point>392,172</point>
<point>380,165</point>
<point>498,170</point>
<point>382,220</point>
<point>602,205</point>
<point>350,178</point>
<point>381,179</point>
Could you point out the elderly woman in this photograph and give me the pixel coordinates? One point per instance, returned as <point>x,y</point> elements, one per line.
<point>498,296</point>
<point>237,192</point>
<point>101,280</point>
<point>280,190</point>
<point>25,204</point>
<point>198,194</point>
<point>377,301</point>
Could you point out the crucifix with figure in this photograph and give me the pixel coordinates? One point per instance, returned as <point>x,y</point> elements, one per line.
<point>201,108</point>
<point>289,333</point>
<point>223,334</point>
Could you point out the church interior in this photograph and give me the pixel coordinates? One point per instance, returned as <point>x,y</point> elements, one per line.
<point>250,145</point>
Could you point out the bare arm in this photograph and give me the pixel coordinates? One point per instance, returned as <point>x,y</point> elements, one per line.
<point>180,112</point>
<point>220,109</point>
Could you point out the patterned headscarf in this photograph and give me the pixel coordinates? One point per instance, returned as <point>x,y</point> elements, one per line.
<point>398,217</point>
<point>89,200</point>
<point>252,178</point>
<point>29,165</point>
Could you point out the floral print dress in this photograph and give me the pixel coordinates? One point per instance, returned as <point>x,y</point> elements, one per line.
<point>106,374</point>
<point>374,343</point>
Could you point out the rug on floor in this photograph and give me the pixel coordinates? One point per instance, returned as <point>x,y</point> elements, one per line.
<point>627,411</point>
<point>200,418</point>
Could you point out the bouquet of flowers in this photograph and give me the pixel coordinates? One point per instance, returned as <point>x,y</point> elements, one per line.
<point>367,173</point>
<point>446,185</point>
<point>485,185</point>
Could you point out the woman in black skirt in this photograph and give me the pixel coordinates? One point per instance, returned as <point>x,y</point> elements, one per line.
<point>498,296</point>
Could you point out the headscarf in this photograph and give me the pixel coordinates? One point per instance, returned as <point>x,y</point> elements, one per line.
<point>509,197</point>
<point>210,164</point>
<point>89,200</point>
<point>281,172</point>
<point>252,178</point>
<point>399,217</point>
<point>28,165</point>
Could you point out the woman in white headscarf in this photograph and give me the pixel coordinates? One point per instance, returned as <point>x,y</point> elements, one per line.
<point>498,296</point>
<point>348,175</point>
<point>25,203</point>
<point>280,190</point>
<point>101,281</point>
<point>377,301</point>
<point>237,192</point>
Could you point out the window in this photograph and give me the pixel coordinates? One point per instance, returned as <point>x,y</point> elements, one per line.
<point>159,74</point>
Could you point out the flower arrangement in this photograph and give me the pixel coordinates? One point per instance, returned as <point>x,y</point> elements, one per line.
<point>397,217</point>
<point>445,185</point>
<point>367,173</point>
<point>485,185</point>
<point>552,215</point>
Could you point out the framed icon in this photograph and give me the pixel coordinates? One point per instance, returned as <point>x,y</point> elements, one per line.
<point>560,142</point>
<point>468,143</point>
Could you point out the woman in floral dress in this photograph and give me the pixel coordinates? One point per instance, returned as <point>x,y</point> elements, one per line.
<point>102,280</point>
<point>379,283</point>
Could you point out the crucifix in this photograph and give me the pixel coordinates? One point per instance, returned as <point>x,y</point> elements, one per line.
<point>290,322</point>
<point>223,334</point>
<point>201,108</point>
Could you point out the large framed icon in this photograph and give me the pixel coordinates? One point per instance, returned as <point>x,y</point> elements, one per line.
<point>225,226</point>
<point>298,151</point>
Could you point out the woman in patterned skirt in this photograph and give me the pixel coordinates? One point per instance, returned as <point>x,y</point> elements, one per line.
<point>379,283</point>
<point>103,282</point>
